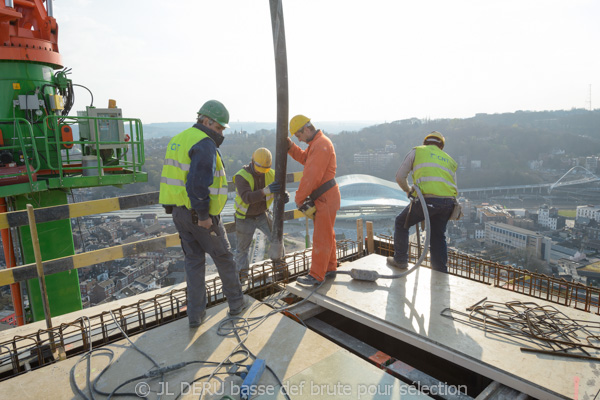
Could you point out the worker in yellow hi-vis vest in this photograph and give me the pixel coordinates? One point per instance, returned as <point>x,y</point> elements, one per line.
<point>434,172</point>
<point>193,188</point>
<point>255,189</point>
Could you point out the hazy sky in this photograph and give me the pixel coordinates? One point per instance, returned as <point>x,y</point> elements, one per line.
<point>375,60</point>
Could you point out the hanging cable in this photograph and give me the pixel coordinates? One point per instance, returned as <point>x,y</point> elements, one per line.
<point>91,94</point>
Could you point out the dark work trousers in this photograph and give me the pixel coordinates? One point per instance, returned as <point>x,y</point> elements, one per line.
<point>439,210</point>
<point>244,230</point>
<point>196,242</point>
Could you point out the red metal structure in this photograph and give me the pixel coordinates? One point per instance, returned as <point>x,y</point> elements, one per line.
<point>36,140</point>
<point>28,32</point>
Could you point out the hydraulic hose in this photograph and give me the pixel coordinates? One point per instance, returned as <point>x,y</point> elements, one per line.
<point>425,245</point>
<point>372,276</point>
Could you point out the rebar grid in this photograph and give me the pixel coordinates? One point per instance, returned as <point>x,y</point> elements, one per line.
<point>552,331</point>
<point>23,353</point>
<point>554,290</point>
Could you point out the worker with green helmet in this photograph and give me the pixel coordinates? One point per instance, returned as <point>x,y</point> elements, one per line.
<point>434,172</point>
<point>255,189</point>
<point>193,188</point>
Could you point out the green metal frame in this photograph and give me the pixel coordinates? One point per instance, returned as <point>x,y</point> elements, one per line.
<point>23,146</point>
<point>63,288</point>
<point>50,168</point>
<point>64,174</point>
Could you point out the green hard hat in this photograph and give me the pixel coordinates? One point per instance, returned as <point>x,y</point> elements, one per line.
<point>216,110</point>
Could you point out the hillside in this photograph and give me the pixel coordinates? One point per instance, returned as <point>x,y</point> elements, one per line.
<point>494,149</point>
<point>158,130</point>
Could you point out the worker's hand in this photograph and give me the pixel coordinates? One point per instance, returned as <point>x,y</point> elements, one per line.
<point>274,187</point>
<point>412,191</point>
<point>290,143</point>
<point>286,197</point>
<point>206,223</point>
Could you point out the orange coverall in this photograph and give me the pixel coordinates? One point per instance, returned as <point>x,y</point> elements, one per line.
<point>319,167</point>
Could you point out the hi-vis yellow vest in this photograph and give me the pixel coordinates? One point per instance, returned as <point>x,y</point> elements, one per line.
<point>434,171</point>
<point>241,208</point>
<point>176,168</point>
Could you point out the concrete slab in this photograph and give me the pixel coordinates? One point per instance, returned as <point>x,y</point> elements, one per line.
<point>34,327</point>
<point>308,365</point>
<point>409,309</point>
<point>339,376</point>
<point>70,317</point>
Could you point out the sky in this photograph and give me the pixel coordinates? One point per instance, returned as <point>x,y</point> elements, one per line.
<point>370,60</point>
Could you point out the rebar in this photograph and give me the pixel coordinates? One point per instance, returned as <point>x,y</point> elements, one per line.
<point>546,327</point>
<point>533,284</point>
<point>264,279</point>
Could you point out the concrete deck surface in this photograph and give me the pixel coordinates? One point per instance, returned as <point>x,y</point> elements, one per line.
<point>310,366</point>
<point>409,309</point>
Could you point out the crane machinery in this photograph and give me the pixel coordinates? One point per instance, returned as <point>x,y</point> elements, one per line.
<point>45,152</point>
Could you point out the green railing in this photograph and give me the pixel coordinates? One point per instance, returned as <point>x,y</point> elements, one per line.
<point>109,153</point>
<point>66,157</point>
<point>128,154</point>
<point>24,142</point>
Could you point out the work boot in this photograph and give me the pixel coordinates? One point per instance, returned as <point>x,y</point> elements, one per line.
<point>393,263</point>
<point>198,323</point>
<point>330,274</point>
<point>308,280</point>
<point>240,309</point>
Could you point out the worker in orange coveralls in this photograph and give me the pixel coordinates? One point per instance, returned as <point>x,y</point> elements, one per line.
<point>318,183</point>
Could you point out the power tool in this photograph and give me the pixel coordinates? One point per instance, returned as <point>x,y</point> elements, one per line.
<point>308,208</point>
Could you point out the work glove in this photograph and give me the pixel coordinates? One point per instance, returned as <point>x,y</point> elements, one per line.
<point>274,187</point>
<point>412,192</point>
<point>286,197</point>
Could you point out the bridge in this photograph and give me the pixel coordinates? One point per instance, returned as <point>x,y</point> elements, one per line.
<point>537,188</point>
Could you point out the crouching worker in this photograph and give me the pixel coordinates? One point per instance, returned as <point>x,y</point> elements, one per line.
<point>255,188</point>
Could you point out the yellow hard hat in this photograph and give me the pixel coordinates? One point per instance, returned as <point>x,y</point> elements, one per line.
<point>297,123</point>
<point>435,136</point>
<point>262,160</point>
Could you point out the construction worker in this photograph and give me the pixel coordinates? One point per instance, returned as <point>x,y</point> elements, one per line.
<point>255,188</point>
<point>317,184</point>
<point>193,188</point>
<point>434,172</point>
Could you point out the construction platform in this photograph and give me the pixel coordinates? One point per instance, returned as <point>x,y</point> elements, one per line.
<point>430,310</point>
<point>309,366</point>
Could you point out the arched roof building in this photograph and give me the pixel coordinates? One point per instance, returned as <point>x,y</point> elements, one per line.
<point>366,195</point>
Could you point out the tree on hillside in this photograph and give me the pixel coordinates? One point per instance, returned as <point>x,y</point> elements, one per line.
<point>504,143</point>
